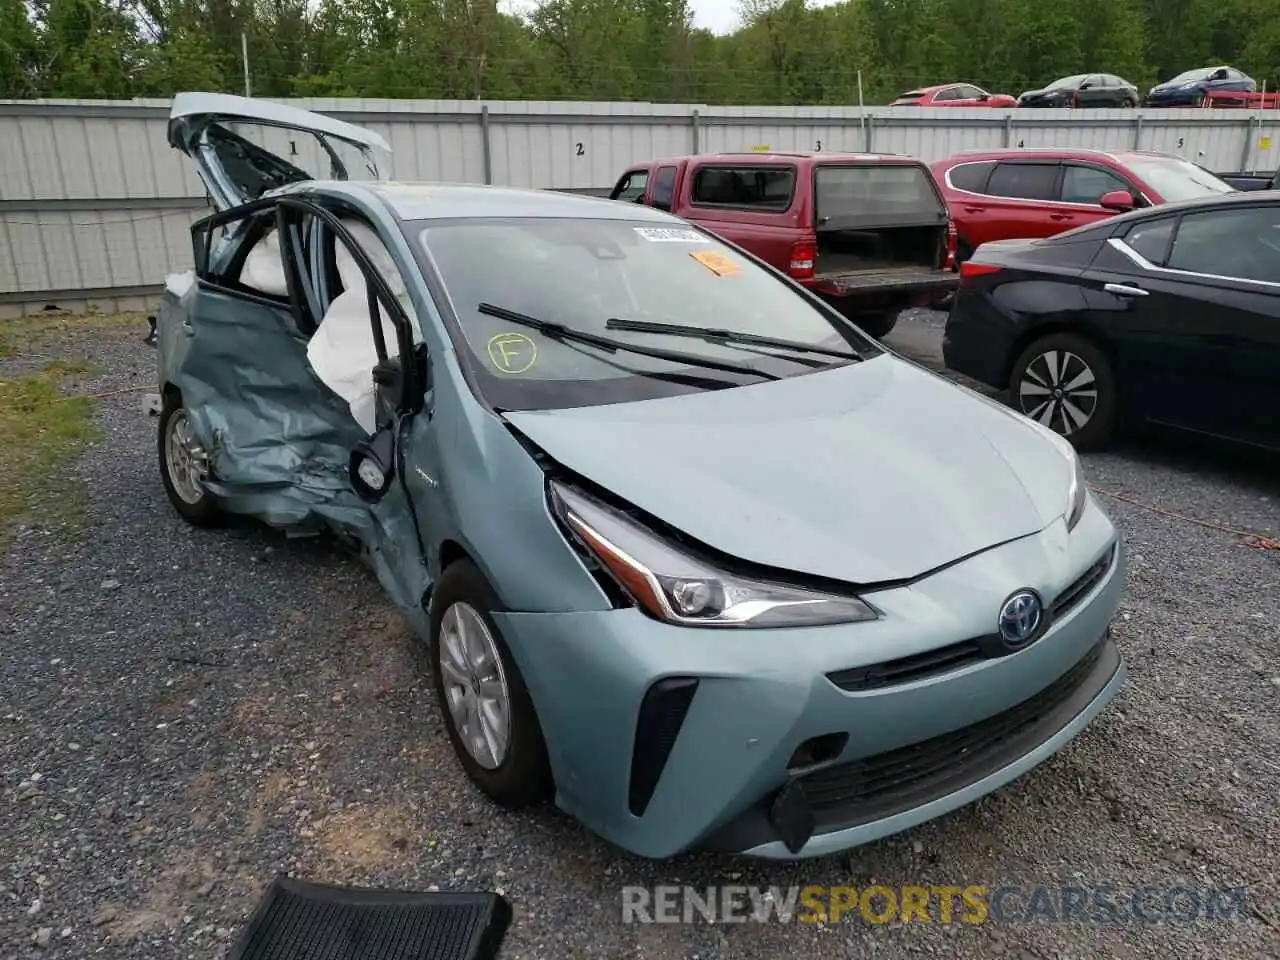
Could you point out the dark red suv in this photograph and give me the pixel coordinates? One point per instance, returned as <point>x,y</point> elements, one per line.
<point>1031,193</point>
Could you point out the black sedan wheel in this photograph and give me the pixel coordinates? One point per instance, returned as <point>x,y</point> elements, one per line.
<point>1064,382</point>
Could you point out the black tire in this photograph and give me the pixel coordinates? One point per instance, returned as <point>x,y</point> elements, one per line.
<point>1068,354</point>
<point>201,509</point>
<point>878,325</point>
<point>523,776</point>
<point>1128,104</point>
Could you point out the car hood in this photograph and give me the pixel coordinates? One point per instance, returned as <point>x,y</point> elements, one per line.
<point>1044,92</point>
<point>873,472</point>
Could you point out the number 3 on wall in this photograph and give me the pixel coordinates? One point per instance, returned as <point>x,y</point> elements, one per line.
<point>578,150</point>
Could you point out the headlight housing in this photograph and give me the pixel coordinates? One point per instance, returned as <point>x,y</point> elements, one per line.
<point>1078,490</point>
<point>671,584</point>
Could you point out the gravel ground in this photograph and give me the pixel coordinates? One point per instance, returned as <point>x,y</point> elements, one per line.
<point>185,713</point>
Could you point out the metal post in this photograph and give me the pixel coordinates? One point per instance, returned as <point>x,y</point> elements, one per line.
<point>695,132</point>
<point>1137,132</point>
<point>1261,102</point>
<point>1247,151</point>
<point>486,148</point>
<point>1008,130</point>
<point>862,110</point>
<point>244,56</point>
<point>868,137</point>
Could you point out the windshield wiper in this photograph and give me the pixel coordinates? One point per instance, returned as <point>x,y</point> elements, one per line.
<point>712,335</point>
<point>558,331</point>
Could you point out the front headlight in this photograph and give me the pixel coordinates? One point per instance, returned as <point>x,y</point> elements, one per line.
<point>1078,490</point>
<point>671,584</point>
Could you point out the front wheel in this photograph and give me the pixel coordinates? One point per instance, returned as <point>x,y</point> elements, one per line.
<point>184,466</point>
<point>1065,382</point>
<point>487,710</point>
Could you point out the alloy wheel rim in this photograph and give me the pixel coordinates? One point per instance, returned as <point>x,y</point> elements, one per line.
<point>1059,390</point>
<point>185,459</point>
<point>475,685</point>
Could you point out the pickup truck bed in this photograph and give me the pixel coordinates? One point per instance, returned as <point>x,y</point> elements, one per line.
<point>887,277</point>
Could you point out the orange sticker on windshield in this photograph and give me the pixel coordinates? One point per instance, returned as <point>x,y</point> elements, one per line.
<point>716,262</point>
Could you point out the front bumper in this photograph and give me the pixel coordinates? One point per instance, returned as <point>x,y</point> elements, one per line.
<point>703,759</point>
<point>1182,98</point>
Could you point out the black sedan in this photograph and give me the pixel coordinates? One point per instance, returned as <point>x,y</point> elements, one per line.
<point>1083,90</point>
<point>1168,316</point>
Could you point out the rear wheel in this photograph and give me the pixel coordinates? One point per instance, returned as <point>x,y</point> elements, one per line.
<point>878,325</point>
<point>184,466</point>
<point>1065,382</point>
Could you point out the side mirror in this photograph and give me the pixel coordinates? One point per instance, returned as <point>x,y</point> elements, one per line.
<point>1118,200</point>
<point>372,465</point>
<point>1086,85</point>
<point>984,96</point>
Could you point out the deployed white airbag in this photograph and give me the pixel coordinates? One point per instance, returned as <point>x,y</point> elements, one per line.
<point>263,268</point>
<point>342,351</point>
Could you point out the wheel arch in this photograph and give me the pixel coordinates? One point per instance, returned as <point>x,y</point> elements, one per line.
<point>1040,331</point>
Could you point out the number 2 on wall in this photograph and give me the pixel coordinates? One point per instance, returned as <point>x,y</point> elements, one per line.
<point>578,150</point>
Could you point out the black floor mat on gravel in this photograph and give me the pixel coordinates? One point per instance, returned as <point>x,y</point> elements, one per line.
<point>297,920</point>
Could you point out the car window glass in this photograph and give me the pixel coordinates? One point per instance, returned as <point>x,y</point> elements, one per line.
<point>971,176</point>
<point>633,188</point>
<point>766,188</point>
<point>581,272</point>
<point>1081,184</point>
<point>1150,240</point>
<point>664,183</point>
<point>967,93</point>
<point>1025,181</point>
<point>1230,243</point>
<point>947,93</point>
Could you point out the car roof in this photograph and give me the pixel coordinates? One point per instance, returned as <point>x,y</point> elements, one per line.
<point>1057,153</point>
<point>442,201</point>
<point>782,155</point>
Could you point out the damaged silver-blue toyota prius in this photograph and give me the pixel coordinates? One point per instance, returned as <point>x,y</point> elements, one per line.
<point>691,554</point>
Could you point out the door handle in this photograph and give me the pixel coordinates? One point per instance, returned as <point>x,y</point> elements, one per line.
<point>1062,216</point>
<point>1124,290</point>
<point>974,209</point>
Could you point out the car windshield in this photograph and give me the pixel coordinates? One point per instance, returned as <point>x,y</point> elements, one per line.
<point>1175,179</point>
<point>580,273</point>
<point>1068,83</point>
<point>1202,74</point>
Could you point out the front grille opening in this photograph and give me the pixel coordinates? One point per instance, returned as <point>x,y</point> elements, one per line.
<point>817,750</point>
<point>918,666</point>
<point>874,787</point>
<point>662,714</point>
<point>1082,586</point>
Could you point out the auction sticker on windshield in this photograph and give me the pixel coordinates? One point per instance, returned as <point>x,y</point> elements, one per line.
<point>671,235</point>
<point>716,262</point>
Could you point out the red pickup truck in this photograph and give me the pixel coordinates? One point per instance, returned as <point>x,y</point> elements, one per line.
<point>870,234</point>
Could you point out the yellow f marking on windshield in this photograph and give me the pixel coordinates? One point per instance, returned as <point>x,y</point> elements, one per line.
<point>512,352</point>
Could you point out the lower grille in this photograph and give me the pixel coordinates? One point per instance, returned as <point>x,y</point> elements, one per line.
<point>662,714</point>
<point>875,787</point>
